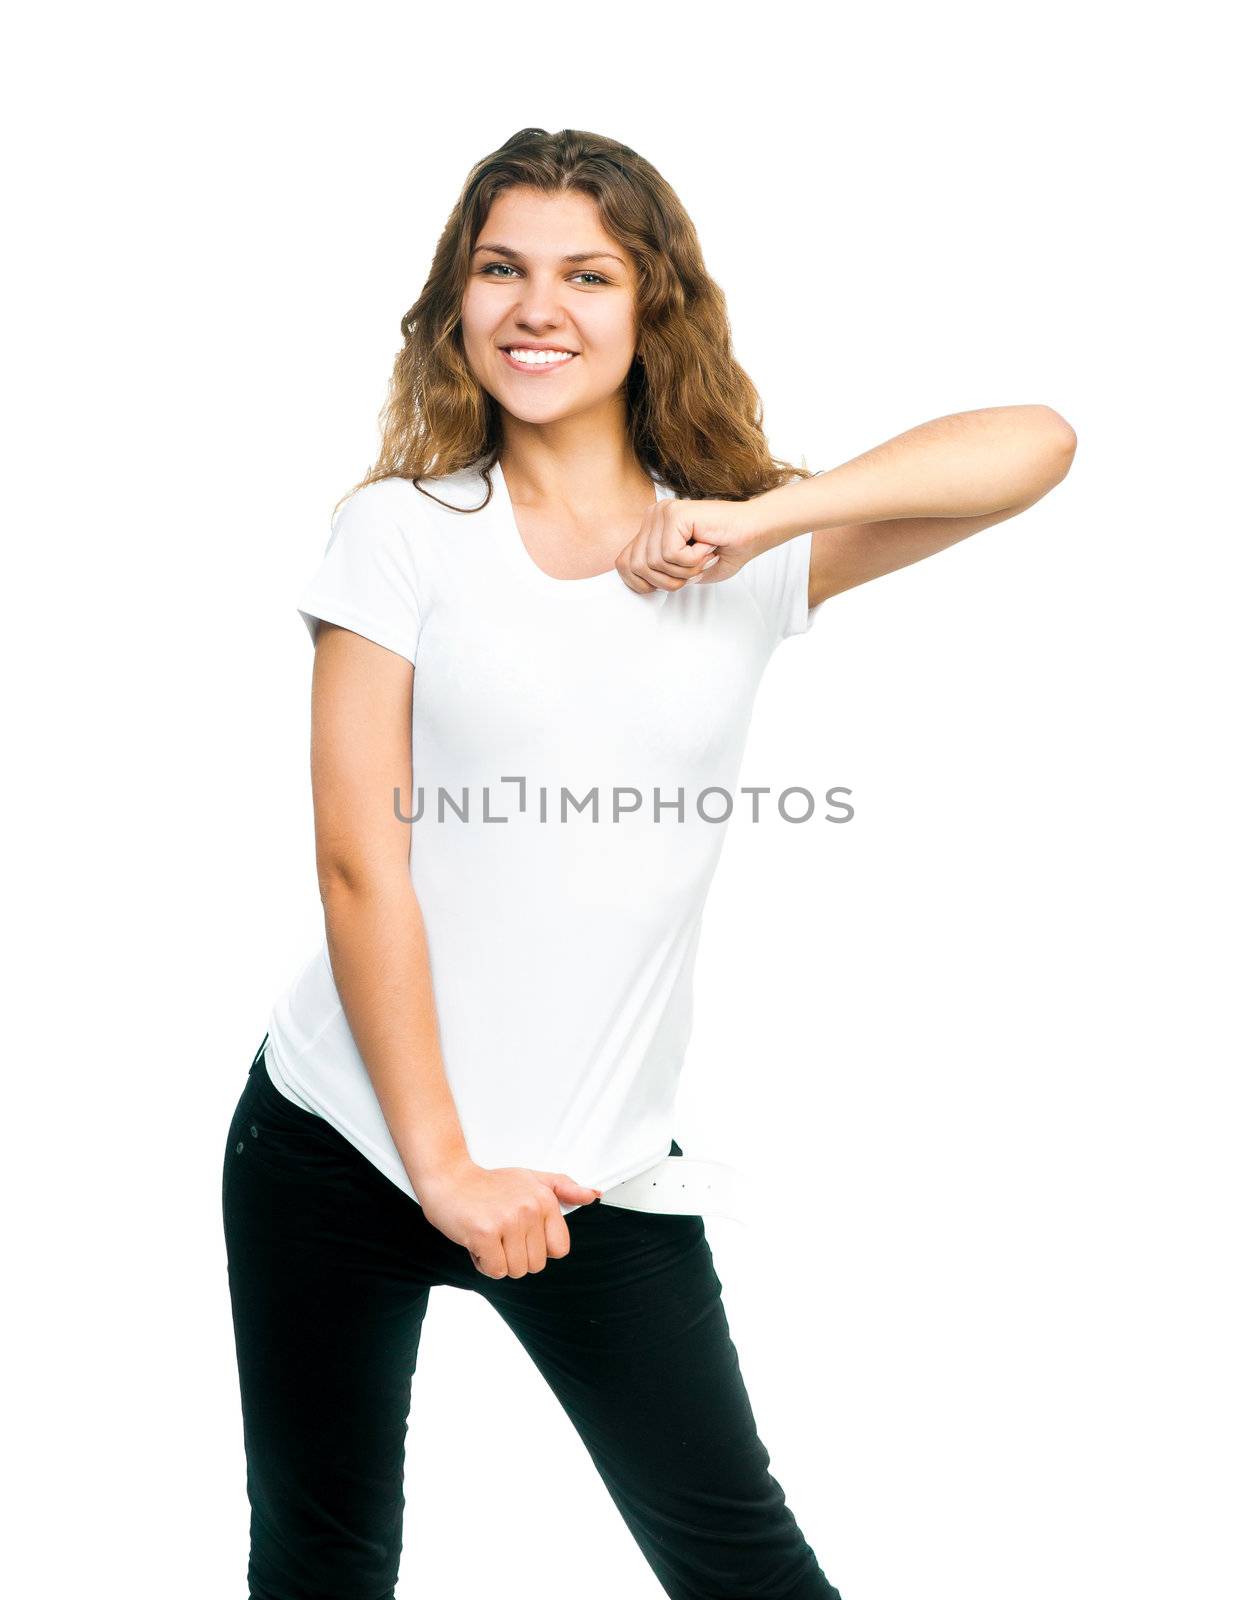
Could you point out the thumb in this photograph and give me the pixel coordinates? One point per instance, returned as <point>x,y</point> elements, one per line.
<point>569,1189</point>
<point>703,574</point>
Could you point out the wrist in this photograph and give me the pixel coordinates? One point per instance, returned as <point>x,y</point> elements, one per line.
<point>435,1149</point>
<point>773,517</point>
<point>442,1172</point>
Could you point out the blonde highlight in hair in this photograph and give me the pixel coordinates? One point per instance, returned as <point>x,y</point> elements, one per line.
<point>694,416</point>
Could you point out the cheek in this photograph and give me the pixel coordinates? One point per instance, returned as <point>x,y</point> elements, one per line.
<point>482,313</point>
<point>475,338</point>
<point>469,319</point>
<point>610,333</point>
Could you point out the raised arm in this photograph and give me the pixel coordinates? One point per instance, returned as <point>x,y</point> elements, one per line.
<point>916,494</point>
<point>897,503</point>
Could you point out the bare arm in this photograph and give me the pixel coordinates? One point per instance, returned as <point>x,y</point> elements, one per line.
<point>916,494</point>
<point>360,752</point>
<point>897,503</point>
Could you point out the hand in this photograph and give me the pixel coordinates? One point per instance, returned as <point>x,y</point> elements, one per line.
<point>689,541</point>
<point>508,1218</point>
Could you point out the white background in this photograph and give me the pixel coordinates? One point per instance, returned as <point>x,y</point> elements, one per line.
<point>975,1050</point>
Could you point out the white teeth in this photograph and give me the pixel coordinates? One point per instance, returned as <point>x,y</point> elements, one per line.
<point>541,358</point>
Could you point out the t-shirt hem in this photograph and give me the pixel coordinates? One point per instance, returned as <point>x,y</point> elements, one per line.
<point>383,1161</point>
<point>623,1176</point>
<point>375,1154</point>
<point>634,1169</point>
<point>803,615</point>
<point>281,1083</point>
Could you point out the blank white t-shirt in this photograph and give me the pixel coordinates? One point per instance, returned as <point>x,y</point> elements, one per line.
<point>560,883</point>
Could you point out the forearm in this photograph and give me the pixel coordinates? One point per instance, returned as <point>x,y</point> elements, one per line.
<point>969,464</point>
<point>376,941</point>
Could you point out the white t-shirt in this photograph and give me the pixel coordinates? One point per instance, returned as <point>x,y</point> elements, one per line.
<point>561,940</point>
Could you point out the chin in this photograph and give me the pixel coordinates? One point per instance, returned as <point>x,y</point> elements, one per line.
<point>524,411</point>
<point>543,408</point>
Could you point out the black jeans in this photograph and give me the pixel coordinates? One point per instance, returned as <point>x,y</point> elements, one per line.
<point>330,1268</point>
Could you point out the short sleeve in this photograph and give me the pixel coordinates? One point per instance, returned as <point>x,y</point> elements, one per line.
<point>778,579</point>
<point>367,580</point>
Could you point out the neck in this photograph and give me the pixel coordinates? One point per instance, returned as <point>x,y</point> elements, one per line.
<point>565,463</point>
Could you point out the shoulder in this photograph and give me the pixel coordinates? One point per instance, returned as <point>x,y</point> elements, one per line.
<point>424,504</point>
<point>383,500</point>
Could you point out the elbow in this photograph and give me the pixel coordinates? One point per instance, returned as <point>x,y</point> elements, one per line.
<point>1052,445</point>
<point>335,879</point>
<point>1060,440</point>
<point>342,880</point>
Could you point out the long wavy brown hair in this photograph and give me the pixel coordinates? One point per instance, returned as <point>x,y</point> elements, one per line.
<point>694,416</point>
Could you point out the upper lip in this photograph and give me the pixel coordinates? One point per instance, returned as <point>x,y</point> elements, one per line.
<point>534,344</point>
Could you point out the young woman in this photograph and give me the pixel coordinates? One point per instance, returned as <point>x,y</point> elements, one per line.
<point>577,536</point>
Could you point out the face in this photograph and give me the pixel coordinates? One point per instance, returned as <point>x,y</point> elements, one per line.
<point>525,292</point>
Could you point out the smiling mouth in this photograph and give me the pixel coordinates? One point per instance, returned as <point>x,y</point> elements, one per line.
<point>537,360</point>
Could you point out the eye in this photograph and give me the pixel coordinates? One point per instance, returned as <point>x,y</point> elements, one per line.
<point>504,266</point>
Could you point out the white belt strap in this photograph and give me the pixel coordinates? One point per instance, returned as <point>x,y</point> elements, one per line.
<point>682,1184</point>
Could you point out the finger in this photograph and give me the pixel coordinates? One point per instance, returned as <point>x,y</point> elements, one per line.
<point>682,552</point>
<point>705,555</point>
<point>625,567</point>
<point>698,577</point>
<point>536,1244</point>
<point>685,565</point>
<point>672,555</point>
<point>651,566</point>
<point>556,1234</point>
<point>674,550</point>
<point>514,1253</point>
<point>565,1188</point>
<point>488,1261</point>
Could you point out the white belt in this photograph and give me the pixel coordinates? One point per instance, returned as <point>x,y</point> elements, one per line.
<point>681,1184</point>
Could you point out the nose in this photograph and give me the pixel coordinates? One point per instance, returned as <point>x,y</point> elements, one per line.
<point>538,307</point>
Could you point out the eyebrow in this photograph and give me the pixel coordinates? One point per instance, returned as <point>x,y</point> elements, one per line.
<point>581,255</point>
